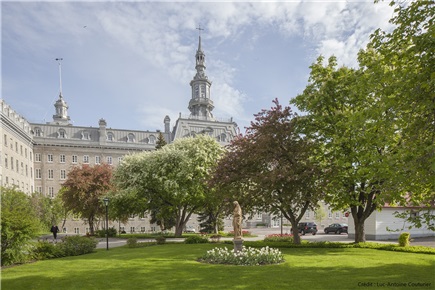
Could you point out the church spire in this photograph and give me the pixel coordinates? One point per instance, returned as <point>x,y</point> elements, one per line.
<point>200,105</point>
<point>61,116</point>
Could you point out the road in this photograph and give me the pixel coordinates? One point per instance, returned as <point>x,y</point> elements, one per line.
<point>261,233</point>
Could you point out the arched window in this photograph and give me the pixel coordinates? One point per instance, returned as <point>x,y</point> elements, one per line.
<point>223,137</point>
<point>86,135</point>
<point>61,133</point>
<point>110,136</point>
<point>152,139</point>
<point>131,137</point>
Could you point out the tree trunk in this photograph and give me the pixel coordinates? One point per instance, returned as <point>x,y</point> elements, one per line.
<point>296,236</point>
<point>360,236</point>
<point>91,225</point>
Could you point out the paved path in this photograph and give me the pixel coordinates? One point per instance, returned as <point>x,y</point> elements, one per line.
<point>260,234</point>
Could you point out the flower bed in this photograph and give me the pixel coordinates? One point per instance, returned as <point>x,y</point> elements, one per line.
<point>246,257</point>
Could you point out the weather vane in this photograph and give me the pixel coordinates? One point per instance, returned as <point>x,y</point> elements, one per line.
<point>199,29</point>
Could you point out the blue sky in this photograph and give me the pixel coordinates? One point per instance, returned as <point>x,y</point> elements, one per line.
<point>131,62</point>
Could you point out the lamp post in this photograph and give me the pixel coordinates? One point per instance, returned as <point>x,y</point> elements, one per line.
<point>106,203</point>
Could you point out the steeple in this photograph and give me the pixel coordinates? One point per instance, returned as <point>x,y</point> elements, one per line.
<point>61,117</point>
<point>200,105</point>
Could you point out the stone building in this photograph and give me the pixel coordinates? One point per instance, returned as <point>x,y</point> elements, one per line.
<point>58,145</point>
<point>16,150</point>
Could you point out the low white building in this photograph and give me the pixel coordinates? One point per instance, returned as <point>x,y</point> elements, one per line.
<point>383,225</point>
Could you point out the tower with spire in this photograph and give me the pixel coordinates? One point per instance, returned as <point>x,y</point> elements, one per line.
<point>200,104</point>
<point>201,119</point>
<point>61,117</point>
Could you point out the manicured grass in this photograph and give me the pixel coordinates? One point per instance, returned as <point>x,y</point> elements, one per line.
<point>174,266</point>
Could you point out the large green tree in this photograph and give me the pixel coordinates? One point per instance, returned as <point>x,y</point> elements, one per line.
<point>173,178</point>
<point>377,121</point>
<point>19,225</point>
<point>83,191</point>
<point>271,168</point>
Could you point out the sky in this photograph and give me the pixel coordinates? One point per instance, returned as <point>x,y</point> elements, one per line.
<point>131,63</point>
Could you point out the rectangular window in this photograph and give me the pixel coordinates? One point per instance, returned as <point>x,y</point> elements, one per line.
<point>37,157</point>
<point>143,215</point>
<point>21,150</point>
<point>6,161</point>
<point>38,174</point>
<point>132,230</point>
<point>259,216</point>
<point>142,229</point>
<point>97,159</point>
<point>12,163</point>
<point>39,189</point>
<point>50,173</point>
<point>49,157</point>
<point>62,174</point>
<point>109,160</point>
<point>25,152</point>
<point>74,159</point>
<point>329,214</point>
<point>5,137</point>
<point>307,214</point>
<point>86,159</point>
<point>76,231</point>
<point>16,163</point>
<point>27,170</point>
<point>31,172</point>
<point>51,192</point>
<point>120,160</point>
<point>337,215</point>
<point>62,158</point>
<point>16,147</point>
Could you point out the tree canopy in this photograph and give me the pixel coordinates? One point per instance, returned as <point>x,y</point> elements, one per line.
<point>171,180</point>
<point>270,167</point>
<point>376,122</point>
<point>83,191</point>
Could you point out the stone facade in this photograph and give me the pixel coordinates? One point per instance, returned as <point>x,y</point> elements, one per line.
<point>16,150</point>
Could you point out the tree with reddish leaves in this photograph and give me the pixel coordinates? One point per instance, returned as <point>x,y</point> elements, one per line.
<point>270,168</point>
<point>84,189</point>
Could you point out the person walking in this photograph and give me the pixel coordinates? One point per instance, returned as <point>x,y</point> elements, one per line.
<point>54,230</point>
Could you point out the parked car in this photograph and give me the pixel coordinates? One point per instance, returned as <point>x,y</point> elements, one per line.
<point>307,227</point>
<point>192,231</point>
<point>336,228</point>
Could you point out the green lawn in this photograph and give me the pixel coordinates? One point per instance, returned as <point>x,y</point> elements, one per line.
<point>174,266</point>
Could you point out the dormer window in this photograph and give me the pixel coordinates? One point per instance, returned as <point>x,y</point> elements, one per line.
<point>86,135</point>
<point>131,137</point>
<point>61,133</point>
<point>152,139</point>
<point>110,136</point>
<point>38,132</point>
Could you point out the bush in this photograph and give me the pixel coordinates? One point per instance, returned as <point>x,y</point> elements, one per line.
<point>404,239</point>
<point>279,238</point>
<point>77,245</point>
<point>132,242</point>
<point>19,225</point>
<point>46,250</point>
<point>160,240</point>
<point>196,240</point>
<point>102,233</point>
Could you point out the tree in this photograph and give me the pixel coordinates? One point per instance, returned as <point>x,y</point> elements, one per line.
<point>160,141</point>
<point>84,189</point>
<point>49,210</point>
<point>172,179</point>
<point>19,225</point>
<point>271,168</point>
<point>399,69</point>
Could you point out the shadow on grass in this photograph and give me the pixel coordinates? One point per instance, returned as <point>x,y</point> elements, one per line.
<point>175,267</point>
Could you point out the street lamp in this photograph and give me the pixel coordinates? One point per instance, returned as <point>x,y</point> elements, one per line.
<point>106,203</point>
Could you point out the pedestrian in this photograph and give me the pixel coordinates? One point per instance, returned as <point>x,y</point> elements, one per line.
<point>54,230</point>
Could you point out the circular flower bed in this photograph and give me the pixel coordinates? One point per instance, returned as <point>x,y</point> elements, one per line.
<point>246,257</point>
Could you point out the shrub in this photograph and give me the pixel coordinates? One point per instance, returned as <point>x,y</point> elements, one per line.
<point>77,245</point>
<point>160,240</point>
<point>19,225</point>
<point>46,250</point>
<point>279,238</point>
<point>196,240</point>
<point>244,233</point>
<point>132,242</point>
<point>247,256</point>
<point>102,233</point>
<point>404,239</point>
